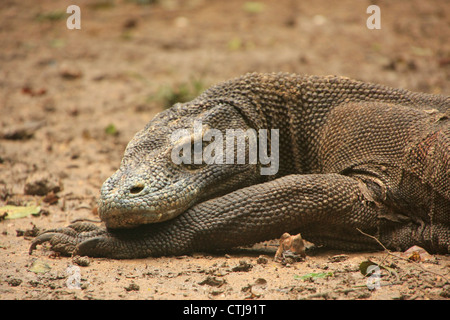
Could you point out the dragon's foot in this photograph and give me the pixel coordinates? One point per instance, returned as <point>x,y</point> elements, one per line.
<point>79,238</point>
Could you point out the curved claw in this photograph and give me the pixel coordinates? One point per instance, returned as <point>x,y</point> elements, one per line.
<point>43,237</point>
<point>90,247</point>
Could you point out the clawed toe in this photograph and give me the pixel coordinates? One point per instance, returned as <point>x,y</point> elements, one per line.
<point>65,240</point>
<point>44,237</point>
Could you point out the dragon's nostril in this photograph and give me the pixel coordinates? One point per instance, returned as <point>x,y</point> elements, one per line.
<point>137,189</point>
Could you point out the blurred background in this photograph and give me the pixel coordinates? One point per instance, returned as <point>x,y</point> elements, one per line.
<point>70,100</point>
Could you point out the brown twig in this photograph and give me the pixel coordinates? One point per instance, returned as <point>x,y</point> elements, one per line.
<point>401,258</point>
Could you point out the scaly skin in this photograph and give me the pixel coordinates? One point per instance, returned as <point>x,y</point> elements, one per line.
<point>352,155</point>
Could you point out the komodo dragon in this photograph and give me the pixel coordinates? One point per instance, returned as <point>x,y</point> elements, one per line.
<point>352,155</point>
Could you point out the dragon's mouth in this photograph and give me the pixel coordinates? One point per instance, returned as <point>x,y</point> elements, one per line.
<point>130,218</point>
<point>121,206</point>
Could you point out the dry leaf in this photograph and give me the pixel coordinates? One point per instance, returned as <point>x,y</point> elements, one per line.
<point>290,245</point>
<point>417,254</point>
<point>16,212</point>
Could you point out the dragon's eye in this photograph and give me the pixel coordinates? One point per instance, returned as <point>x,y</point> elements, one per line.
<point>196,156</point>
<point>189,154</point>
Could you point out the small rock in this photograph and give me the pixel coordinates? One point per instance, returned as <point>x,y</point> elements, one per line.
<point>28,233</point>
<point>132,287</point>
<point>216,292</point>
<point>256,289</point>
<point>30,91</point>
<point>243,266</point>
<point>51,198</point>
<point>260,282</point>
<point>338,258</point>
<point>290,258</point>
<point>81,261</point>
<point>41,183</point>
<point>262,260</point>
<point>21,132</point>
<point>130,23</point>
<point>213,282</point>
<point>5,192</point>
<point>69,72</point>
<point>14,282</point>
<point>445,293</point>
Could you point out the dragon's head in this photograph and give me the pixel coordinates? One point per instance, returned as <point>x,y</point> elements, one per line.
<point>187,154</point>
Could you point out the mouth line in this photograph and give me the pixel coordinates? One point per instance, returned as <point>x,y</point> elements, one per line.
<point>130,216</point>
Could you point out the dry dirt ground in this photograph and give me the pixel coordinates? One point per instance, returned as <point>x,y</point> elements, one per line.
<point>70,100</point>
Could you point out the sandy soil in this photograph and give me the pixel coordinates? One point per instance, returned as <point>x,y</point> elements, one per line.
<point>70,100</point>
